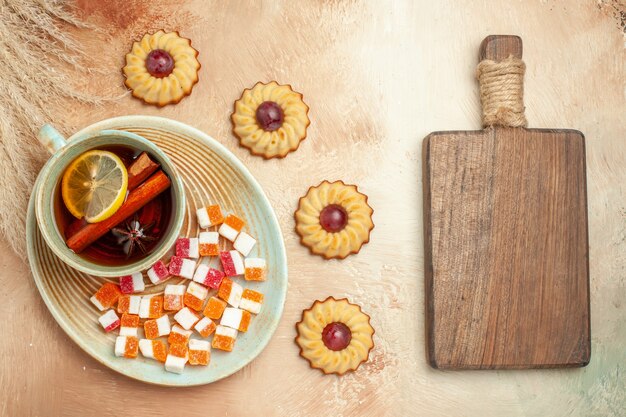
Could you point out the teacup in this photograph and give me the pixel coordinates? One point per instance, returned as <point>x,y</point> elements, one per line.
<point>46,190</point>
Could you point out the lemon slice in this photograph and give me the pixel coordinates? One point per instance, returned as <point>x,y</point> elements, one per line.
<point>94,185</point>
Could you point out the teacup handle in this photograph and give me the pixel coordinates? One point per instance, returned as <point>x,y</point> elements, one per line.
<point>51,138</point>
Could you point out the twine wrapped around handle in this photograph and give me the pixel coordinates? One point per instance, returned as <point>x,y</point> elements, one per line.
<point>502,92</point>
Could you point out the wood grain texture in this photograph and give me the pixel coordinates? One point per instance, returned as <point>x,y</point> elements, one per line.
<point>379,77</point>
<point>499,47</point>
<point>507,262</point>
<point>506,245</point>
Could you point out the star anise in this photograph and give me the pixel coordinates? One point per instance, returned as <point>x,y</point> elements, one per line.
<point>133,236</point>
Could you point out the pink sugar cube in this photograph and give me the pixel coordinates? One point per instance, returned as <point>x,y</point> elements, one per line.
<point>109,321</point>
<point>182,267</point>
<point>213,278</point>
<point>132,283</point>
<point>158,272</point>
<point>232,263</point>
<point>187,247</point>
<point>208,277</point>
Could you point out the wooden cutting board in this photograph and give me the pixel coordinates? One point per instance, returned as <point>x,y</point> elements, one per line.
<point>506,245</point>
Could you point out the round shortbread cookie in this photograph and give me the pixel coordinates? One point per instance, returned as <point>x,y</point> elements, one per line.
<point>161,68</point>
<point>270,120</point>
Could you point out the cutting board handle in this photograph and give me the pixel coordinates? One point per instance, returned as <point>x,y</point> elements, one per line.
<point>500,47</point>
<point>500,75</point>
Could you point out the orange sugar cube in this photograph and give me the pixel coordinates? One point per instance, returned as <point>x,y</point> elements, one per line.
<point>195,296</point>
<point>209,244</point>
<point>157,327</point>
<point>245,321</point>
<point>215,214</point>
<point>230,292</point>
<point>255,274</point>
<point>255,269</point>
<point>178,335</point>
<point>151,329</point>
<point>251,301</point>
<point>173,297</point>
<point>179,350</point>
<point>199,357</point>
<point>224,338</point>
<point>151,307</point>
<point>231,227</point>
<point>252,295</point>
<point>159,350</point>
<point>209,249</point>
<point>223,291</point>
<point>223,343</point>
<point>199,352</point>
<point>205,327</point>
<point>106,296</point>
<point>127,346</point>
<point>156,306</point>
<point>128,304</point>
<point>123,304</point>
<point>209,216</point>
<point>235,222</point>
<point>154,349</point>
<point>129,325</point>
<point>129,320</point>
<point>214,308</point>
<point>193,302</point>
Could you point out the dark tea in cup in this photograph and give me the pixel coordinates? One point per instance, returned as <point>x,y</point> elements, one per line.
<point>106,219</point>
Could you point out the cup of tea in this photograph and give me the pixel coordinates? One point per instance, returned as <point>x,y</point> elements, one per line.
<point>73,191</point>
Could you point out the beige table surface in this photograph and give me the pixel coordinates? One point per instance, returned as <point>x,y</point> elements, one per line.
<point>378,77</point>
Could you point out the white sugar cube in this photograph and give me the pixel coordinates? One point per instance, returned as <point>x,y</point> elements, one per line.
<point>134,303</point>
<point>128,331</point>
<point>195,344</point>
<point>95,302</point>
<point>228,232</point>
<point>186,318</point>
<point>232,263</point>
<point>187,268</point>
<point>203,324</point>
<point>201,272</point>
<point>176,290</point>
<point>238,262</point>
<point>226,331</point>
<point>138,284</point>
<point>157,272</point>
<point>144,307</point>
<point>234,298</point>
<point>197,290</point>
<point>203,218</point>
<point>244,243</point>
<point>177,329</point>
<point>232,317</point>
<point>120,345</point>
<point>163,325</point>
<point>152,276</point>
<point>208,238</point>
<point>175,364</point>
<point>255,263</point>
<point>250,305</point>
<point>145,346</point>
<point>194,251</point>
<point>109,320</point>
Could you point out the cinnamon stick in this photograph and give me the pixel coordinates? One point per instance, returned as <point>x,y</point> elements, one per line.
<point>141,168</point>
<point>137,198</point>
